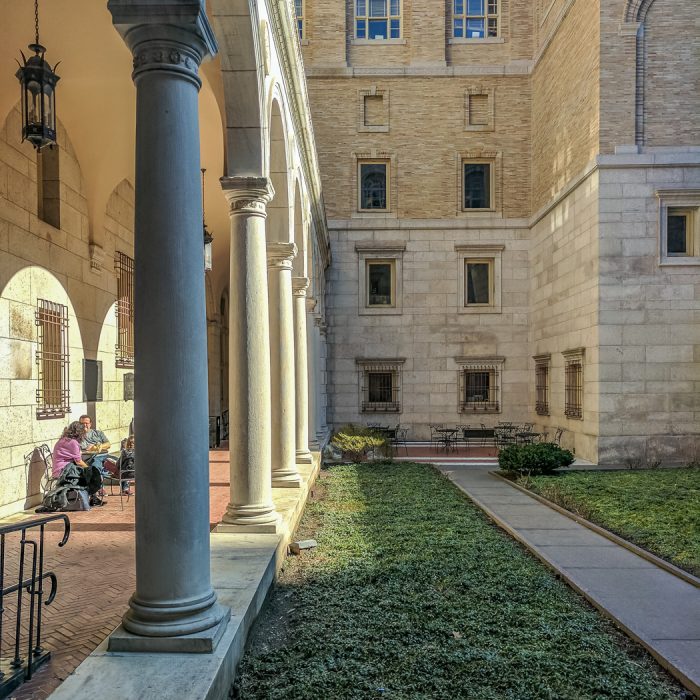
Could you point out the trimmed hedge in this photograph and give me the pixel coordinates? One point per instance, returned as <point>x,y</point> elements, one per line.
<point>540,458</point>
<point>355,442</point>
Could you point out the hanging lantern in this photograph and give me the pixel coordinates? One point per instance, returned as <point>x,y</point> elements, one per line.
<point>208,238</point>
<point>38,84</point>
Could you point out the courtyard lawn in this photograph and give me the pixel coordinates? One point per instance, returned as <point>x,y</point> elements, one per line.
<point>658,509</point>
<point>413,594</point>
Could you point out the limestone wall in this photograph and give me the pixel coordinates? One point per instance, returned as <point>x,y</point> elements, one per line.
<point>39,261</point>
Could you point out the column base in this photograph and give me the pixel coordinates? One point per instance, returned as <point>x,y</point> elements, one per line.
<point>274,528</point>
<point>292,481</point>
<point>250,519</point>
<point>314,445</point>
<point>304,457</point>
<point>203,642</point>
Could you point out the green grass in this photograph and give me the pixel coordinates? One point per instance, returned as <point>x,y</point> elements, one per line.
<point>413,594</point>
<point>657,509</point>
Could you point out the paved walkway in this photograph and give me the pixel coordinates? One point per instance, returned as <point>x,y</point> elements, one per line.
<point>655,607</point>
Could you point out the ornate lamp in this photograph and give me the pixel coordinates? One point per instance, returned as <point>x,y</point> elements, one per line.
<point>208,238</point>
<point>38,83</point>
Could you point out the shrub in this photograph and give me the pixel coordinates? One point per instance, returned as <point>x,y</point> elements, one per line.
<point>356,441</point>
<point>541,458</point>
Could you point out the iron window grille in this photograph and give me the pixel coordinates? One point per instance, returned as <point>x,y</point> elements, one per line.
<point>480,387</point>
<point>380,386</point>
<point>573,387</point>
<point>52,359</point>
<point>542,388</point>
<point>475,19</point>
<point>124,268</point>
<point>378,19</point>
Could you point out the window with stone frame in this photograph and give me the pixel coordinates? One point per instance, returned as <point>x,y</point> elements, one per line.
<point>542,365</point>
<point>480,385</point>
<point>479,276</point>
<point>475,19</point>
<point>377,19</point>
<point>52,359</point>
<point>679,226</point>
<point>380,385</point>
<point>381,283</point>
<point>477,186</point>
<point>478,282</point>
<point>573,383</point>
<point>379,273</point>
<point>373,185</point>
<point>299,13</point>
<point>124,269</point>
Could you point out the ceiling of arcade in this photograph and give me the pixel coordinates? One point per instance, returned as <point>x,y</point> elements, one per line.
<point>95,101</point>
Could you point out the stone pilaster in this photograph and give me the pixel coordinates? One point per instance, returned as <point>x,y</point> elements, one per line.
<point>322,330</point>
<point>312,348</point>
<point>299,287</point>
<point>174,607</point>
<point>251,508</point>
<point>279,264</point>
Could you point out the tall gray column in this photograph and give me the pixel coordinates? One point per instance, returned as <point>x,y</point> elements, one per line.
<point>299,287</point>
<point>173,596</point>
<point>251,508</point>
<point>313,372</point>
<point>279,263</point>
<point>323,378</point>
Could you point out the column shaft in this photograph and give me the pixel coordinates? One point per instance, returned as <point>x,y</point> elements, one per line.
<point>299,287</point>
<point>251,508</point>
<point>279,260</point>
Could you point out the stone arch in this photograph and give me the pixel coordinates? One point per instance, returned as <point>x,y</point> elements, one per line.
<point>243,84</point>
<point>636,10</point>
<point>279,216</point>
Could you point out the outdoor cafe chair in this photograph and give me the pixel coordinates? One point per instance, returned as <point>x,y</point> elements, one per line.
<point>399,439</point>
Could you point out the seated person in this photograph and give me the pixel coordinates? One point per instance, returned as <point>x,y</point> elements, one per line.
<point>67,449</point>
<point>94,441</point>
<point>126,463</point>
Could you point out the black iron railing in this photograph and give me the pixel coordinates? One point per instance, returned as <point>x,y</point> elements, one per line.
<point>25,591</point>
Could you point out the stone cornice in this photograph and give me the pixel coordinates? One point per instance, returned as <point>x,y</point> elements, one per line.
<point>285,36</point>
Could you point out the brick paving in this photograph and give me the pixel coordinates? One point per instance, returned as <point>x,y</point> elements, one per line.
<point>96,576</point>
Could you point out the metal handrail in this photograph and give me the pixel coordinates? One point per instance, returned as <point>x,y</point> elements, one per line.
<point>16,670</point>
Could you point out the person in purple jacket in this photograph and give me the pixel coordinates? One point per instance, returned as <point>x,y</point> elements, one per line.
<point>67,449</point>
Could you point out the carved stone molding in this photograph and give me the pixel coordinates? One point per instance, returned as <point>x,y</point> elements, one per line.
<point>311,304</point>
<point>168,56</point>
<point>280,255</point>
<point>97,257</point>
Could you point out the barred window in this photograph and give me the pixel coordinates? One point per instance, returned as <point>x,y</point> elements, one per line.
<point>380,385</point>
<point>124,267</point>
<point>53,392</point>
<point>573,384</point>
<point>542,363</point>
<point>377,19</point>
<point>475,19</point>
<point>480,385</point>
<point>299,12</point>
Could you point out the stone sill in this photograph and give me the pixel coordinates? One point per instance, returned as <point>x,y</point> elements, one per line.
<point>378,42</point>
<point>461,41</point>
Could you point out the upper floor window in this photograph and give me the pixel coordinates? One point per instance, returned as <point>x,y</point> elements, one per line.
<point>476,182</point>
<point>373,179</point>
<point>377,19</point>
<point>679,226</point>
<point>299,12</point>
<point>475,19</point>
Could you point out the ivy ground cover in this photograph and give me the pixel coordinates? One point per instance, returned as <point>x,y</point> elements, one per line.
<point>413,594</point>
<point>658,509</point>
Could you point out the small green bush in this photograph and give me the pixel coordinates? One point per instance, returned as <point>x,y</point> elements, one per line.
<point>540,458</point>
<point>356,441</point>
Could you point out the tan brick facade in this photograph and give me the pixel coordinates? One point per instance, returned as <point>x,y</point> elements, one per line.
<point>562,83</point>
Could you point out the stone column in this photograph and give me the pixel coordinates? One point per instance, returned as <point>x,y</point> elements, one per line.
<point>279,263</point>
<point>313,372</point>
<point>299,287</point>
<point>323,378</point>
<point>251,508</point>
<point>174,607</point>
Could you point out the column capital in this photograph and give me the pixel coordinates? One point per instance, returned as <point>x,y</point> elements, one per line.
<point>280,255</point>
<point>247,195</point>
<point>299,286</point>
<point>175,36</point>
<point>311,303</point>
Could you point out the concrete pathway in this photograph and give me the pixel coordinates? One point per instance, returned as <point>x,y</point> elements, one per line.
<point>658,609</point>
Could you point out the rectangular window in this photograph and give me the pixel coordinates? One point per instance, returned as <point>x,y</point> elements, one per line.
<point>475,19</point>
<point>477,186</point>
<point>373,179</point>
<point>53,392</point>
<point>92,380</point>
<point>479,282</point>
<point>124,267</point>
<point>380,382</point>
<point>479,385</point>
<point>573,388</point>
<point>377,19</point>
<point>679,229</point>
<point>299,12</point>
<point>542,385</point>
<point>380,282</point>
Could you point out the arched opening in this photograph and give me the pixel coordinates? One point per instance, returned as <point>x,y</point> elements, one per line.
<point>278,215</point>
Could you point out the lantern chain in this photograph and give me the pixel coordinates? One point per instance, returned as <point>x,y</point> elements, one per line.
<point>36,21</point>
